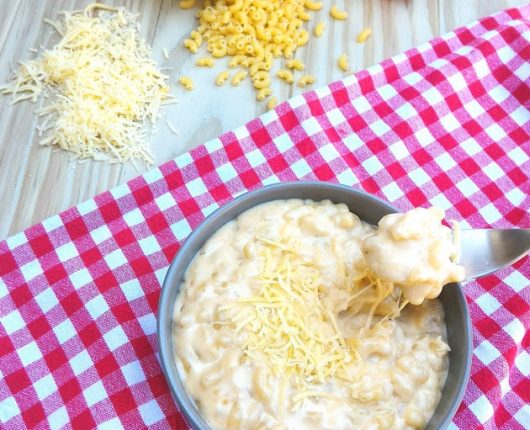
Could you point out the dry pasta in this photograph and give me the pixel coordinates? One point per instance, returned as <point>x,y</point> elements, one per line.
<point>191,45</point>
<point>186,4</point>
<point>343,63</point>
<point>313,5</point>
<point>363,35</point>
<point>186,82</point>
<point>271,104</point>
<point>205,62</point>
<point>239,60</point>
<point>196,37</point>
<point>296,64</point>
<point>306,80</point>
<point>285,75</point>
<point>336,13</point>
<point>263,93</point>
<point>319,29</point>
<point>238,77</point>
<point>263,83</point>
<point>302,40</point>
<point>221,78</point>
<point>252,32</point>
<point>260,76</point>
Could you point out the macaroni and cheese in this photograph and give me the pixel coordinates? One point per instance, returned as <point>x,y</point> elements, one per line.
<point>414,251</point>
<point>281,324</point>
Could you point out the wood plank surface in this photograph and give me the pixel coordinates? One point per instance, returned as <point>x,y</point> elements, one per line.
<point>37,182</point>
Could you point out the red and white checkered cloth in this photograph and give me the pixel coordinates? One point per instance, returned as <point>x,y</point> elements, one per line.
<point>446,124</point>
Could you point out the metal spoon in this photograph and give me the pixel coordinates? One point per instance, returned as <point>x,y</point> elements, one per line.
<point>488,250</point>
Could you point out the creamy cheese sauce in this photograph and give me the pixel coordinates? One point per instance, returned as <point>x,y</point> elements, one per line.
<point>392,376</point>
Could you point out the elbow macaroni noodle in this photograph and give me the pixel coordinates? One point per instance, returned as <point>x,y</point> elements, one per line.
<point>306,80</point>
<point>263,93</point>
<point>222,78</point>
<point>238,77</point>
<point>296,65</point>
<point>285,75</point>
<point>191,45</point>
<point>261,80</point>
<point>196,37</point>
<point>336,13</point>
<point>273,101</point>
<point>205,62</point>
<point>314,6</point>
<point>363,35</point>
<point>234,313</point>
<point>186,82</point>
<point>343,63</point>
<point>319,29</point>
<point>186,4</point>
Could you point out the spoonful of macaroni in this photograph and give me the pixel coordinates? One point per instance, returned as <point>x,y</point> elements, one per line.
<point>420,255</point>
<point>415,252</point>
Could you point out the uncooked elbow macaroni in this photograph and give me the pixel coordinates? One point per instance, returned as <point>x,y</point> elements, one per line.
<point>296,64</point>
<point>285,75</point>
<point>414,251</point>
<point>271,104</point>
<point>222,77</point>
<point>343,62</point>
<point>187,4</point>
<point>238,77</point>
<point>186,82</point>
<point>319,29</point>
<point>306,80</point>
<point>390,371</point>
<point>364,35</point>
<point>253,33</point>
<point>263,93</point>
<point>337,13</point>
<point>205,62</point>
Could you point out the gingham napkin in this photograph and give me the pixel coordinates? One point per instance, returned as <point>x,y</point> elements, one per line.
<point>446,124</point>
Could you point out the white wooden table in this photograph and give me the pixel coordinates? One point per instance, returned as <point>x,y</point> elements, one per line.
<point>36,182</point>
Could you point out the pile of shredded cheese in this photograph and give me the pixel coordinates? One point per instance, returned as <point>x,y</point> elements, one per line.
<point>292,327</point>
<point>107,88</point>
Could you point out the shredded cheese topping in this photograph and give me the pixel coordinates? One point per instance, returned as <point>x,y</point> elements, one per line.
<point>292,327</point>
<point>107,87</point>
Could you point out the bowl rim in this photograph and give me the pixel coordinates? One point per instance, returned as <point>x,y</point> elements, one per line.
<point>181,397</point>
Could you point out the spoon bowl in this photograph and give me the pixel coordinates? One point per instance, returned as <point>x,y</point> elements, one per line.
<point>484,251</point>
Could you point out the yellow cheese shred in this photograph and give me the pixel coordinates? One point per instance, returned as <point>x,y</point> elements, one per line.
<point>287,323</point>
<point>105,85</point>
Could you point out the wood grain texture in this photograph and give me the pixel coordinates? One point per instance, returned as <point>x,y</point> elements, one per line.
<point>37,182</point>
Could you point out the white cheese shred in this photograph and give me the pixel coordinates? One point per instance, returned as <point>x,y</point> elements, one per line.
<point>106,87</point>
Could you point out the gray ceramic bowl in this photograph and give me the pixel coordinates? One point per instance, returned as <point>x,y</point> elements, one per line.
<point>369,209</point>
